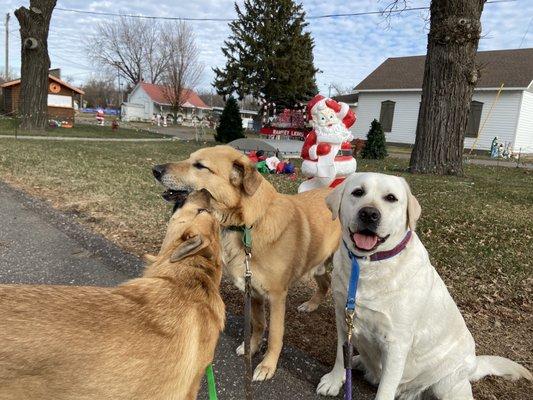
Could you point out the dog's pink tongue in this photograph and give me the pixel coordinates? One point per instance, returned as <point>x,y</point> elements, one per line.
<point>365,242</point>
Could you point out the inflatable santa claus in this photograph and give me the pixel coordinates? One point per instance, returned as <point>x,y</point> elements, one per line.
<point>327,152</point>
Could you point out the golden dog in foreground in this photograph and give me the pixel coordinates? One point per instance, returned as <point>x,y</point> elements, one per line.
<point>149,338</point>
<point>292,235</point>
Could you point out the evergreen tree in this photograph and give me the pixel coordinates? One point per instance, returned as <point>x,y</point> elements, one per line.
<point>268,54</point>
<point>375,142</point>
<point>230,125</point>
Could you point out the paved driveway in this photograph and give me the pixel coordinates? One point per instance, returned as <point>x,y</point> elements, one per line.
<point>40,245</point>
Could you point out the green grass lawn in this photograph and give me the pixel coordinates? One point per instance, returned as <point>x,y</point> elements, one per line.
<point>8,127</point>
<point>478,230</point>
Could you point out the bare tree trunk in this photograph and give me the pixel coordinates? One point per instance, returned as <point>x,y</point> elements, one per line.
<point>450,76</point>
<point>34,25</point>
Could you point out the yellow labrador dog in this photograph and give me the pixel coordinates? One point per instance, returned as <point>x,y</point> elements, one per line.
<point>410,335</point>
<point>149,338</point>
<point>292,235</point>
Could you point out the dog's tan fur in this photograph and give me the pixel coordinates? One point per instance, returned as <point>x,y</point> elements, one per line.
<point>292,235</point>
<point>149,338</point>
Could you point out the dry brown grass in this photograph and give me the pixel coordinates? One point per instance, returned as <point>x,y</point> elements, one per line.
<point>477,228</point>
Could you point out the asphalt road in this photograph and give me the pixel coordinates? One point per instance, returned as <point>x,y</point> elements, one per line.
<point>40,245</point>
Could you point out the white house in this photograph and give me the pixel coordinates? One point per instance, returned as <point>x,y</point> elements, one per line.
<point>350,99</point>
<point>146,100</point>
<point>247,116</point>
<point>392,93</point>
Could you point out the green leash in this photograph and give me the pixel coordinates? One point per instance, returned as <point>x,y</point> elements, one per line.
<point>211,386</point>
<point>247,242</point>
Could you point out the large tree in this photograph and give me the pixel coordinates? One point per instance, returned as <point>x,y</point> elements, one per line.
<point>184,69</point>
<point>269,54</point>
<point>450,76</point>
<point>34,26</point>
<point>100,91</point>
<point>131,45</point>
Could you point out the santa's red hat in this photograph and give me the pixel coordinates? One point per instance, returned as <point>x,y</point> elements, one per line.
<point>342,110</point>
<point>312,104</point>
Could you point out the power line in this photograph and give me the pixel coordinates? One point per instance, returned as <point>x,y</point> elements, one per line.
<point>215,19</point>
<point>525,34</point>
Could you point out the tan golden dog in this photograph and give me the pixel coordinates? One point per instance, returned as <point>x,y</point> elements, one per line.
<point>292,235</point>
<point>149,338</point>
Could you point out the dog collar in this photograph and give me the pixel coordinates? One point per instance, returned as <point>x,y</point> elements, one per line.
<point>383,255</point>
<point>246,235</point>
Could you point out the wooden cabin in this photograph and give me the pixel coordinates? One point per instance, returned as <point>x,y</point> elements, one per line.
<point>61,97</point>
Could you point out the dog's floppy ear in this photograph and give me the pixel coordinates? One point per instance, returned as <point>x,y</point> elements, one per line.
<point>413,207</point>
<point>206,196</point>
<point>193,243</point>
<point>333,200</point>
<point>244,174</point>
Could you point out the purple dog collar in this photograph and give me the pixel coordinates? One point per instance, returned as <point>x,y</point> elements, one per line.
<point>383,255</point>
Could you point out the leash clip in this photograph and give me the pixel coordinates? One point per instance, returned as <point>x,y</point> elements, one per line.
<point>247,270</point>
<point>349,321</point>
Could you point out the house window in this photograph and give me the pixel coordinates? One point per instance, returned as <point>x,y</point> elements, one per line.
<point>386,115</point>
<point>474,118</point>
<point>56,100</point>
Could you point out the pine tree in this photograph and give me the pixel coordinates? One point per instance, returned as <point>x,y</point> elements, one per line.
<point>375,142</point>
<point>269,55</point>
<point>230,125</point>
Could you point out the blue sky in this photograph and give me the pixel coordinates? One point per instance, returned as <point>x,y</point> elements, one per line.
<point>347,49</point>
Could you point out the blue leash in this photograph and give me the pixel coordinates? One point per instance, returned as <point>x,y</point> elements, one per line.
<point>348,348</point>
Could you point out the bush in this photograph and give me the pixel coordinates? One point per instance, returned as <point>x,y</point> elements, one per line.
<point>375,147</point>
<point>230,125</point>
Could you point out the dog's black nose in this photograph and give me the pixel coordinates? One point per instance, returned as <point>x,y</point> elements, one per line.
<point>369,215</point>
<point>158,171</point>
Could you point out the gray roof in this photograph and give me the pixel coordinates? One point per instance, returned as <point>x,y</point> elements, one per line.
<point>347,98</point>
<point>513,68</point>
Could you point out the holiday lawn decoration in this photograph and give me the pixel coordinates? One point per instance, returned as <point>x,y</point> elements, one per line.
<point>100,117</point>
<point>289,124</point>
<point>327,152</point>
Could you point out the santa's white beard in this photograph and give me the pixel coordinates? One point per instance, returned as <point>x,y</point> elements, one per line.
<point>336,133</point>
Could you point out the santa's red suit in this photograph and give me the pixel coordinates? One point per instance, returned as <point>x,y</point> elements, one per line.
<point>326,152</point>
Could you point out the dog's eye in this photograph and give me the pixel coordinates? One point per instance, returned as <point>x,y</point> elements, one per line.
<point>391,198</point>
<point>358,192</point>
<point>199,165</point>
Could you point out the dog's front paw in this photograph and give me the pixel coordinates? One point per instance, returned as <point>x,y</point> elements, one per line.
<point>253,349</point>
<point>264,372</point>
<point>308,306</point>
<point>331,383</point>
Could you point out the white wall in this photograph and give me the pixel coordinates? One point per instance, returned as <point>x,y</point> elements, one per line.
<point>139,98</point>
<point>404,120</point>
<point>524,130</point>
<point>502,121</point>
<point>132,112</point>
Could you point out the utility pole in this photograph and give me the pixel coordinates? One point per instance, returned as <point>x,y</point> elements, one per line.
<point>7,48</point>
<point>119,87</point>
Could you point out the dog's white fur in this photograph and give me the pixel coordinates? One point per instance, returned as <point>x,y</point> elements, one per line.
<point>410,335</point>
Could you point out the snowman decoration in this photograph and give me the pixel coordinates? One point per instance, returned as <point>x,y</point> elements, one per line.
<point>326,152</point>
